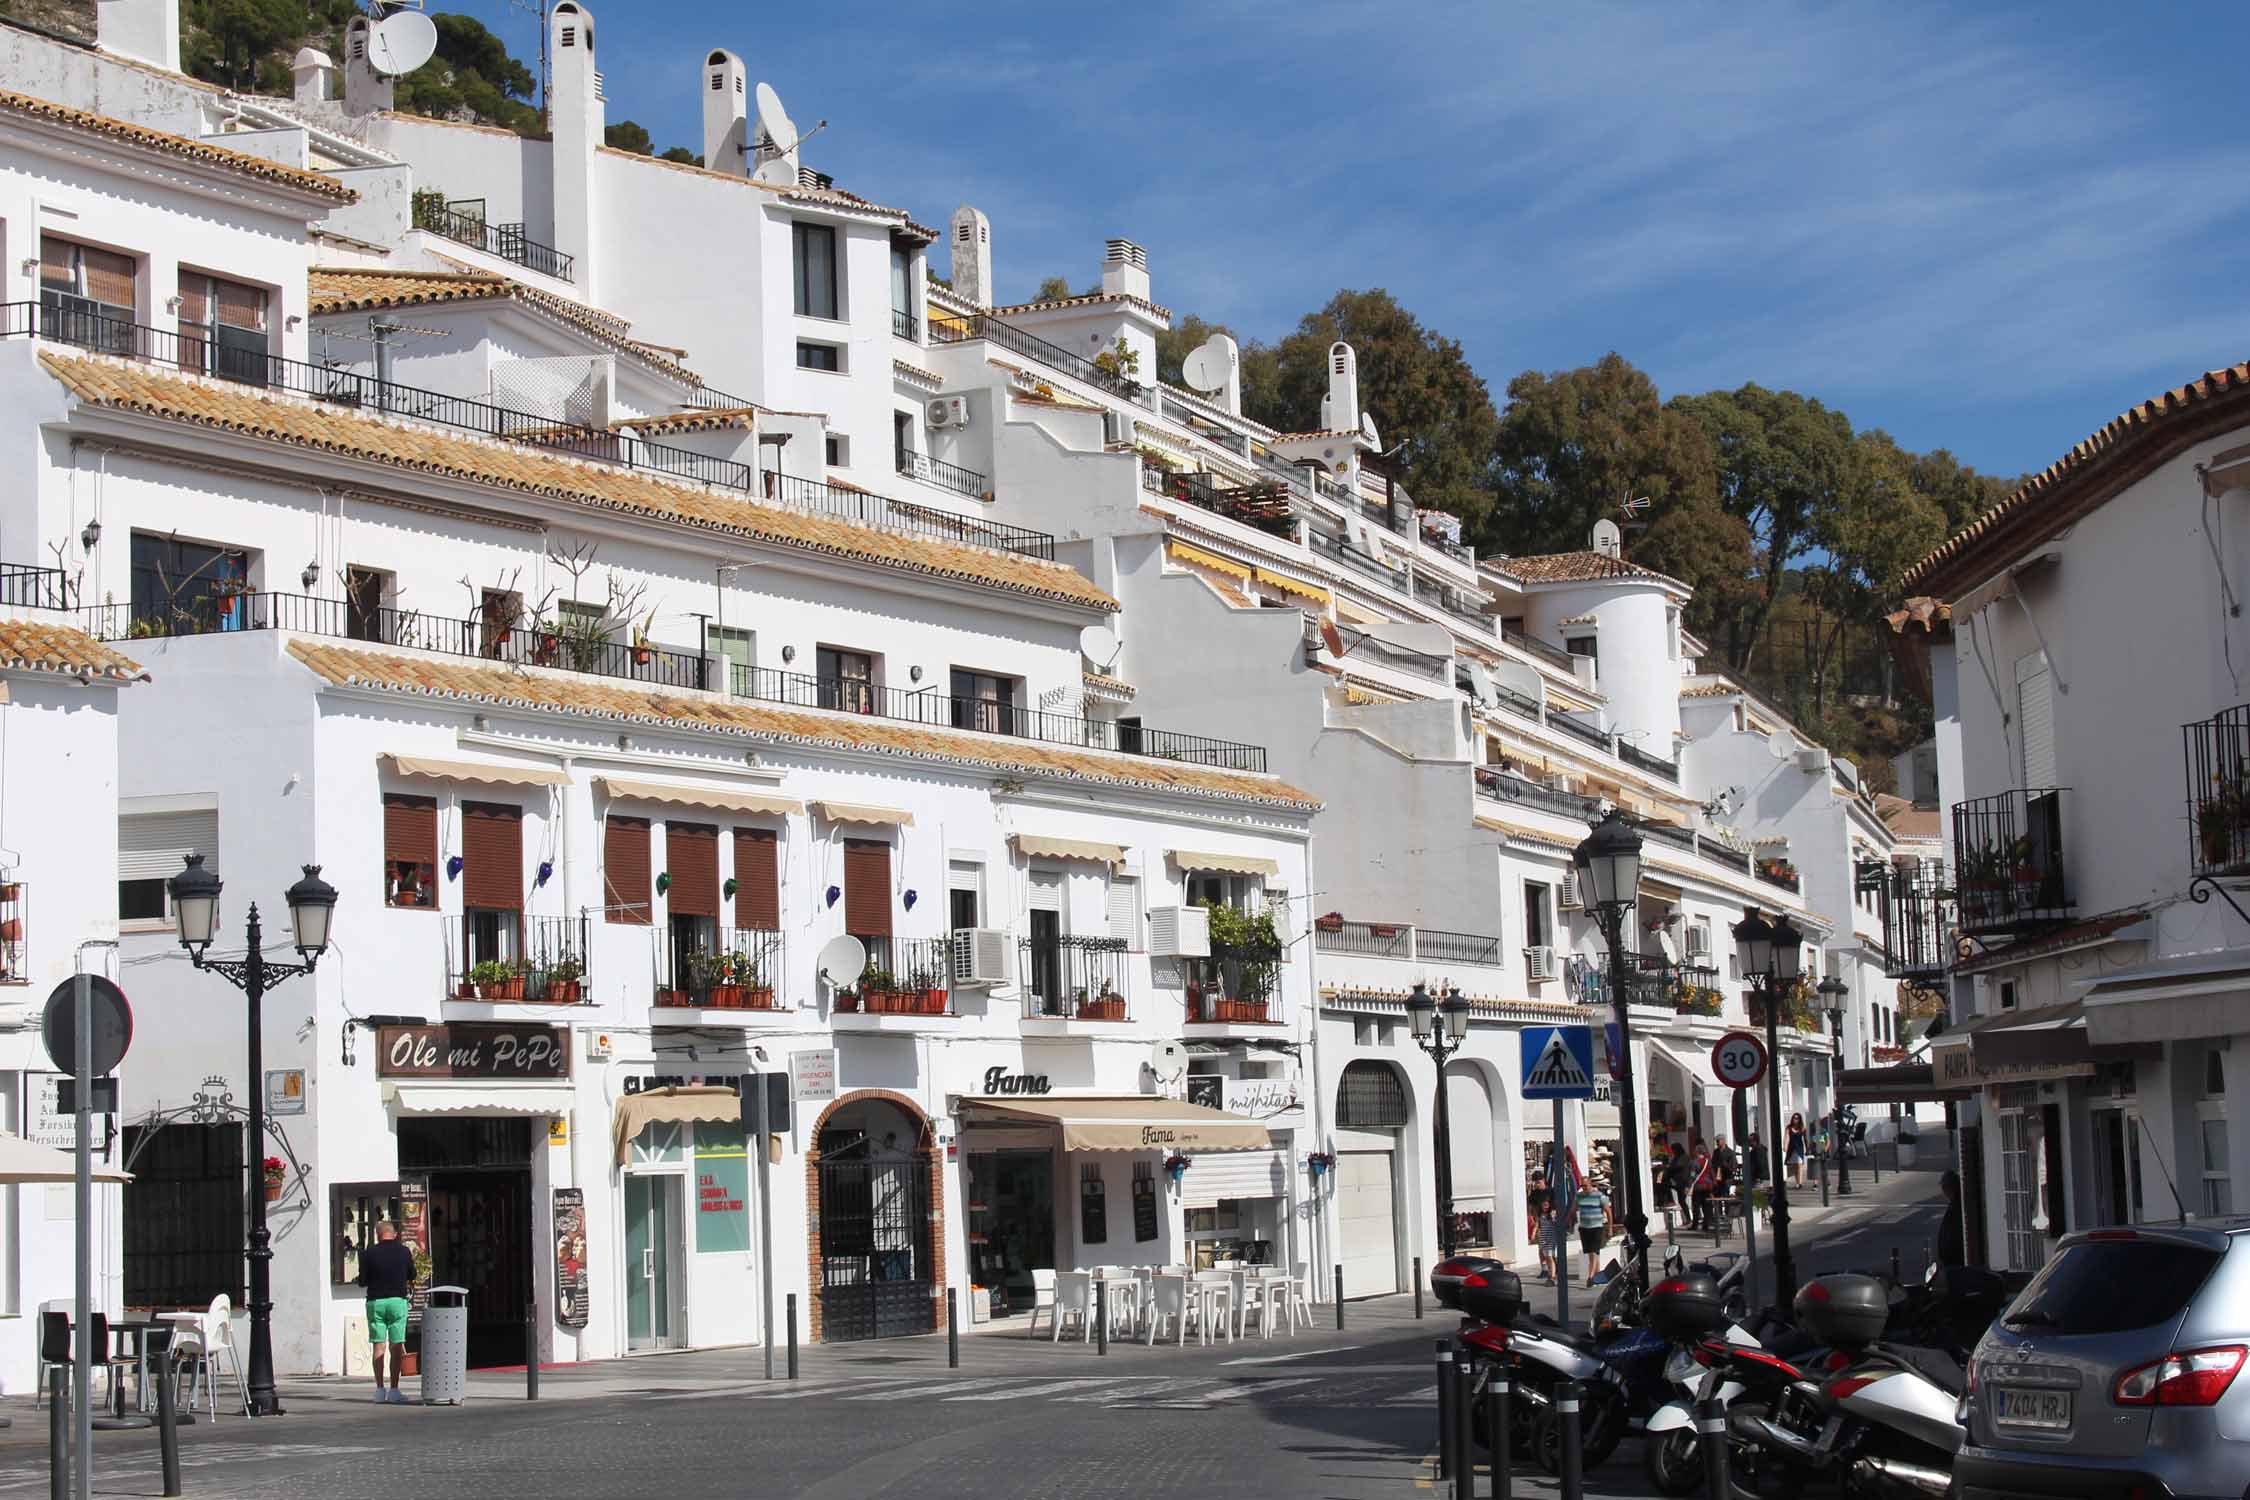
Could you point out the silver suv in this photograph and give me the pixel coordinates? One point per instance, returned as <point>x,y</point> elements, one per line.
<point>2118,1373</point>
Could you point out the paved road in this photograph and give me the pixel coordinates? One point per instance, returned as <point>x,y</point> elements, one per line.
<point>1314,1414</point>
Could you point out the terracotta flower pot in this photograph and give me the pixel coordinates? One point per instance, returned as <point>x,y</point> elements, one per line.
<point>726,996</point>
<point>273,1190</point>
<point>465,991</point>
<point>847,1002</point>
<point>565,991</point>
<point>933,1002</point>
<point>758,997</point>
<point>506,989</point>
<point>670,997</point>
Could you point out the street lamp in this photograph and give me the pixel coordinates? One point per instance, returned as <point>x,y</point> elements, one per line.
<point>1439,1028</point>
<point>1771,954</point>
<point>195,907</point>
<point>1832,993</point>
<point>1609,883</point>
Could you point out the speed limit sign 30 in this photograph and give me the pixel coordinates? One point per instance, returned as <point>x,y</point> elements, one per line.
<point>1739,1059</point>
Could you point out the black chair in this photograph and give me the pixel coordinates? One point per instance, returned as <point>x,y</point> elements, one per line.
<point>54,1349</point>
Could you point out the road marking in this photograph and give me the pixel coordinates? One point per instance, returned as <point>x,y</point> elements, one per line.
<point>1276,1359</point>
<point>1257,1388</point>
<point>833,1387</point>
<point>1049,1389</point>
<point>1146,1386</point>
<point>1421,1397</point>
<point>935,1390</point>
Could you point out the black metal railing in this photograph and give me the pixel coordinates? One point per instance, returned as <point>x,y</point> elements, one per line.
<point>24,586</point>
<point>1435,945</point>
<point>942,474</point>
<point>507,241</point>
<point>1497,784</point>
<point>984,715</point>
<point>1669,833</point>
<point>1075,978</point>
<point>903,977</point>
<point>1546,651</point>
<point>2008,855</point>
<point>1437,596</point>
<point>2218,788</point>
<point>1239,984</point>
<point>1570,724</point>
<point>1263,505</point>
<point>955,329</point>
<point>709,967</point>
<point>1920,916</point>
<point>903,515</point>
<point>1655,765</point>
<point>906,325</point>
<point>1777,872</point>
<point>1733,858</point>
<point>506,956</point>
<point>1367,939</point>
<point>1358,561</point>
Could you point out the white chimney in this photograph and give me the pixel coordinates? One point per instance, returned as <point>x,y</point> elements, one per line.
<point>1125,270</point>
<point>576,115</point>
<point>315,75</point>
<point>145,30</point>
<point>725,113</point>
<point>365,91</point>
<point>972,256</point>
<point>1339,409</point>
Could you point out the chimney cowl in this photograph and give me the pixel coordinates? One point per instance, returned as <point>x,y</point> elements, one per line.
<point>1125,270</point>
<point>970,236</point>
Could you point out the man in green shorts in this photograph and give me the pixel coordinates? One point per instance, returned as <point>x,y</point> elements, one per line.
<point>386,1269</point>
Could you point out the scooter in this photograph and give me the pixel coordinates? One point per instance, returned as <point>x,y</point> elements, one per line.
<point>1670,1449</point>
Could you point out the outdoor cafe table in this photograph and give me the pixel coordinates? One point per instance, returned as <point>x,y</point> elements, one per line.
<point>138,1329</point>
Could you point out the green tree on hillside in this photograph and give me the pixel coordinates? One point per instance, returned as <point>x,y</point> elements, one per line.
<point>472,77</point>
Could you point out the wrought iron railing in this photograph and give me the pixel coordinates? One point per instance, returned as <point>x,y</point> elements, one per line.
<point>955,329</point>
<point>1367,939</point>
<point>23,586</point>
<point>708,398</point>
<point>1655,765</point>
<point>507,241</point>
<point>1498,785</point>
<point>983,715</point>
<point>942,474</point>
<point>1570,724</point>
<point>719,968</point>
<point>2218,788</point>
<point>903,515</point>
<point>1075,978</point>
<point>906,325</point>
<point>1713,849</point>
<point>507,956</point>
<point>1240,983</point>
<point>903,977</point>
<point>1779,872</point>
<point>1435,945</point>
<point>1920,916</point>
<point>2008,859</point>
<point>1669,833</point>
<point>1263,505</point>
<point>1546,651</point>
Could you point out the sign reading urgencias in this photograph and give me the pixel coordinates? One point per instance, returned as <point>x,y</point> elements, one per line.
<point>472,1049</point>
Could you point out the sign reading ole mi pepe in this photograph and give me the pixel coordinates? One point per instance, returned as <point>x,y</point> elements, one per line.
<point>472,1049</point>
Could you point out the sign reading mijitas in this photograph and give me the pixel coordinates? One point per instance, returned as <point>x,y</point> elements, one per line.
<point>472,1049</point>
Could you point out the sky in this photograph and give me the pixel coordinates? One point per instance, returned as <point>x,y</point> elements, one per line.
<point>1988,228</point>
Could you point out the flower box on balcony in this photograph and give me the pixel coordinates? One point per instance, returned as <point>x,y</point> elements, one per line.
<point>848,1002</point>
<point>565,991</point>
<point>1238,1010</point>
<point>725,997</point>
<point>757,997</point>
<point>1102,1008</point>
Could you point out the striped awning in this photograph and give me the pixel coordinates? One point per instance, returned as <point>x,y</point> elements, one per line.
<point>1054,848</point>
<point>1197,557</point>
<point>1290,585</point>
<point>860,812</point>
<point>1225,864</point>
<point>725,799</point>
<point>473,770</point>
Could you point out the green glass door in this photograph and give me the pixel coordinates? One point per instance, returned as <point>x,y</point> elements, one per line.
<point>652,1272</point>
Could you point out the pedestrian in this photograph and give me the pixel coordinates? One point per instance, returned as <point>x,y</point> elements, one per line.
<point>1679,1173</point>
<point>1538,1203</point>
<point>1951,1248</point>
<point>1754,1161</point>
<point>1551,1241</point>
<point>1593,1225</point>
<point>1706,1179</point>
<point>386,1269</point>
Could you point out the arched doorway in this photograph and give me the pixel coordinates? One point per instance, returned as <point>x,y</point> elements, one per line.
<point>1476,1200</point>
<point>1371,1111</point>
<point>875,1272</point>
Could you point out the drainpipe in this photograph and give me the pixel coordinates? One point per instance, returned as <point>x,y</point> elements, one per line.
<point>382,329</point>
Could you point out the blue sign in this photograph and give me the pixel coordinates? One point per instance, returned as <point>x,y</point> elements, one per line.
<point>1558,1062</point>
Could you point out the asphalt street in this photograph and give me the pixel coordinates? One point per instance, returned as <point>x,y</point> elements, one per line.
<point>1316,1413</point>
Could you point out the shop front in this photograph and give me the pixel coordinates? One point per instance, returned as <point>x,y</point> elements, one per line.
<point>684,1170</point>
<point>874,1176</point>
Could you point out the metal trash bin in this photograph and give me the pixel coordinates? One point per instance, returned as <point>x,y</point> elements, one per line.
<point>445,1346</point>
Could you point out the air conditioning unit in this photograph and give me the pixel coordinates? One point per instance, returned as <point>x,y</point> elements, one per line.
<point>1117,428</point>
<point>1812,758</point>
<point>1179,932</point>
<point>1570,901</point>
<point>1539,963</point>
<point>980,957</point>
<point>949,411</point>
<point>1698,941</point>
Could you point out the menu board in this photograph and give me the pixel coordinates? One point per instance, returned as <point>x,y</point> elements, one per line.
<point>414,1234</point>
<point>1144,1202</point>
<point>570,1257</point>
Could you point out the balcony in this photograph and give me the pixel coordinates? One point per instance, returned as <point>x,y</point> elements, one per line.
<point>1238,985</point>
<point>500,957</point>
<point>1496,784</point>
<point>903,515</point>
<point>906,326</point>
<point>1654,765</point>
<point>1074,978</point>
<point>1919,918</point>
<point>2218,787</point>
<point>2008,850</point>
<point>902,978</point>
<point>1779,872</point>
<point>942,474</point>
<point>23,586</point>
<point>706,967</point>
<point>1263,505</point>
<point>1553,655</point>
<point>464,223</point>
<point>986,716</point>
<point>15,925</point>
<point>961,330</point>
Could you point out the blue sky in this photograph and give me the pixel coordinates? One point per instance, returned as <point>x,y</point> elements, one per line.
<point>1986,228</point>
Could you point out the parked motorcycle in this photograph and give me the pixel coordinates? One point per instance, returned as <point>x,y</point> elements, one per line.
<point>1687,1309</point>
<point>1538,1355</point>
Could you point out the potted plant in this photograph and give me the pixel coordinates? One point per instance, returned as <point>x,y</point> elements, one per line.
<point>879,987</point>
<point>2024,873</point>
<point>749,975</point>
<point>497,979</point>
<point>849,1000</point>
<point>713,975</point>
<point>276,1174</point>
<point>642,650</point>
<point>925,993</point>
<point>1106,1006</point>
<point>566,979</point>
<point>1983,883</point>
<point>1907,1144</point>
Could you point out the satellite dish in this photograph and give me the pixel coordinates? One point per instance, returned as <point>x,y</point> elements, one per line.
<point>1208,365</point>
<point>1781,744</point>
<point>841,961</point>
<point>1332,638</point>
<point>1608,540</point>
<point>1168,1061</point>
<point>1367,430</point>
<point>775,121</point>
<point>1098,643</point>
<point>400,42</point>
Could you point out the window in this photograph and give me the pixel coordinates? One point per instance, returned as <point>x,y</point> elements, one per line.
<point>410,851</point>
<point>813,248</point>
<point>625,871</point>
<point>902,288</point>
<point>1536,932</point>
<point>2007,994</point>
<point>1125,910</point>
<point>223,328</point>
<point>1046,916</point>
<point>812,356</point>
<point>836,451</point>
<point>846,680</point>
<point>984,701</point>
<point>691,901</point>
<point>151,849</point>
<point>1582,645</point>
<point>365,590</point>
<point>2211,1123</point>
<point>867,897</point>
<point>188,588</point>
<point>1220,890</point>
<point>902,439</point>
<point>1277,907</point>
<point>1370,1096</point>
<point>184,1214</point>
<point>757,879</point>
<point>496,620</point>
<point>491,883</point>
<point>964,894</point>
<point>1672,633</point>
<point>87,296</point>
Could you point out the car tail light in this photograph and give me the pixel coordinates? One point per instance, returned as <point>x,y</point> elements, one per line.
<point>1487,1336</point>
<point>2197,1378</point>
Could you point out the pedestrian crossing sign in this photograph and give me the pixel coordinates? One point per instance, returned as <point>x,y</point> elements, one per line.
<point>1558,1062</point>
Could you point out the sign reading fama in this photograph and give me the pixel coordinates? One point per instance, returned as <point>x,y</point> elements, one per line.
<point>472,1049</point>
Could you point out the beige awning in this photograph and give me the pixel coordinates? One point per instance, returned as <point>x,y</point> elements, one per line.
<point>685,1103</point>
<point>725,799</point>
<point>28,1161</point>
<point>472,770</point>
<point>1129,1122</point>
<point>1226,864</point>
<point>856,812</point>
<point>1052,848</point>
<point>464,1097</point>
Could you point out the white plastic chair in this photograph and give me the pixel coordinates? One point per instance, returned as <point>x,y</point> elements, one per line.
<point>1167,1308</point>
<point>208,1338</point>
<point>1042,1300</point>
<point>1214,1304</point>
<point>1300,1294</point>
<point>1074,1302</point>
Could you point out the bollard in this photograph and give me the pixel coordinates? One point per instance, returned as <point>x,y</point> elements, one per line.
<point>1339,1298</point>
<point>1568,1396</point>
<point>531,1347</point>
<point>1895,1272</point>
<point>1875,1162</point>
<point>1417,1287</point>
<point>1101,1316</point>
<point>1464,1427</point>
<point>168,1419</point>
<point>1824,1180</point>
<point>792,1335</point>
<point>1711,1433</point>
<point>1444,1407</point>
<point>58,1434</point>
<point>1497,1443</point>
<point>952,1331</point>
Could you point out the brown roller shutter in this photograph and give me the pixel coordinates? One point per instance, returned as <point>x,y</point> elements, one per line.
<point>867,888</point>
<point>691,857</point>
<point>757,879</point>
<point>492,856</point>
<point>625,870</point>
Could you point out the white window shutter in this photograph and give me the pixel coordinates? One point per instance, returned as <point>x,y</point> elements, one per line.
<point>1125,909</point>
<point>155,846</point>
<point>1277,906</point>
<point>2035,720</point>
<point>1047,890</point>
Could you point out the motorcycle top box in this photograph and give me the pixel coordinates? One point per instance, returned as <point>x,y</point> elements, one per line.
<point>1844,1310</point>
<point>1686,1308</point>
<point>1479,1287</point>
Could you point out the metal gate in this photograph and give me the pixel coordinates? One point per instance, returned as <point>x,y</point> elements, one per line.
<point>875,1263</point>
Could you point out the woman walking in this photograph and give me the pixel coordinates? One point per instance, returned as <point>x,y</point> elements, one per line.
<point>1796,1150</point>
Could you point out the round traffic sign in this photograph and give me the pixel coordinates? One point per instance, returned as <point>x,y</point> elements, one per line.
<point>112,1028</point>
<point>1739,1059</point>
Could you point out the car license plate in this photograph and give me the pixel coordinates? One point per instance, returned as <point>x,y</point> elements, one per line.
<point>2021,1408</point>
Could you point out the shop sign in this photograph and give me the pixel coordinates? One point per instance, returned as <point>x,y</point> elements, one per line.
<point>722,1185</point>
<point>812,1075</point>
<point>414,1234</point>
<point>1259,1097</point>
<point>998,1082</point>
<point>571,1304</point>
<point>1955,1067</point>
<point>472,1049</point>
<point>1207,1089</point>
<point>285,1091</point>
<point>47,1123</point>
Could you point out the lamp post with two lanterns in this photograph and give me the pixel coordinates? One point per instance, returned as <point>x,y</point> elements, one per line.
<point>1440,1027</point>
<point>1772,955</point>
<point>195,907</point>
<point>1609,884</point>
<point>1833,991</point>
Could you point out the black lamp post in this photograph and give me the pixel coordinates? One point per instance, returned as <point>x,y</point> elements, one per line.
<point>1833,991</point>
<point>1772,954</point>
<point>195,906</point>
<point>1439,1027</point>
<point>1609,884</point>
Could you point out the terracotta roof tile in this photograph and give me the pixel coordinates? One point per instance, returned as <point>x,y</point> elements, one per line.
<point>1575,567</point>
<point>704,419</point>
<point>34,645</point>
<point>1709,690</point>
<point>1285,437</point>
<point>415,448</point>
<point>316,183</point>
<point>351,289</point>
<point>1084,299</point>
<point>1931,614</point>
<point>559,692</point>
